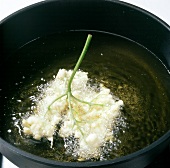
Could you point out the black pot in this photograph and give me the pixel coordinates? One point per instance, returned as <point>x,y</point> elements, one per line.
<point>102,15</point>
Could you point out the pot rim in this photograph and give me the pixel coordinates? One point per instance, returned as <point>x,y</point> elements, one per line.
<point>121,159</point>
<point>137,8</point>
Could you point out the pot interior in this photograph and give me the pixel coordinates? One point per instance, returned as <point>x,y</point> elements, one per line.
<point>130,71</point>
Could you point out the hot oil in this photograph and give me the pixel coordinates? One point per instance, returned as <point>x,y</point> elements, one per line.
<point>131,72</point>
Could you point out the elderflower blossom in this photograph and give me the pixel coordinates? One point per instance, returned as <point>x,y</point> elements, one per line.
<point>90,120</point>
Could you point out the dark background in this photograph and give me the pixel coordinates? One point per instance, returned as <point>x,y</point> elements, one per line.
<point>162,161</point>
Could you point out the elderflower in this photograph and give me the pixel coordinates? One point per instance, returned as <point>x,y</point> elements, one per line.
<point>91,123</point>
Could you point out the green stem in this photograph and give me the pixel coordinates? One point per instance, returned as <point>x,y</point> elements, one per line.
<point>56,100</point>
<point>83,53</point>
<point>69,104</point>
<point>89,103</point>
